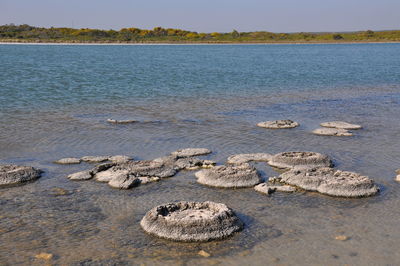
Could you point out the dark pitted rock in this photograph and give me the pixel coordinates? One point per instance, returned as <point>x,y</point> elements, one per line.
<point>120,159</point>
<point>114,121</point>
<point>191,221</point>
<point>95,159</point>
<point>231,176</point>
<point>338,132</point>
<point>190,152</point>
<point>16,174</point>
<point>278,124</point>
<point>192,163</point>
<point>69,161</point>
<point>249,157</point>
<point>341,125</point>
<point>295,159</point>
<point>331,182</point>
<point>269,189</point>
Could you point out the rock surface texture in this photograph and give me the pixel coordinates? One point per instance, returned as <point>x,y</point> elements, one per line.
<point>16,174</point>
<point>331,182</point>
<point>295,159</point>
<point>249,157</point>
<point>341,125</point>
<point>230,176</point>
<point>95,159</point>
<point>278,124</point>
<point>338,132</point>
<point>191,221</point>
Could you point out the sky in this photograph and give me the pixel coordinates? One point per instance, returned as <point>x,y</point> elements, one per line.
<point>207,15</point>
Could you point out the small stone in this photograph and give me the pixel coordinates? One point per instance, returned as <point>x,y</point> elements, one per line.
<point>204,253</point>
<point>68,161</point>
<point>248,157</point>
<point>60,192</point>
<point>120,159</point>
<point>398,171</point>
<point>44,256</point>
<point>278,124</point>
<point>332,132</point>
<point>146,179</point>
<point>341,125</point>
<point>341,237</point>
<point>95,159</point>
<point>114,121</point>
<point>190,152</point>
<point>397,178</point>
<point>83,175</point>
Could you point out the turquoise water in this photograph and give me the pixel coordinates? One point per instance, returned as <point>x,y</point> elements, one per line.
<point>55,100</point>
<point>64,76</point>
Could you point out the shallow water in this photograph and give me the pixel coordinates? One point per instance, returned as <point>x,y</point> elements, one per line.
<point>55,101</point>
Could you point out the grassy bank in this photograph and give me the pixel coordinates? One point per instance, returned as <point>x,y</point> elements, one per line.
<point>30,34</point>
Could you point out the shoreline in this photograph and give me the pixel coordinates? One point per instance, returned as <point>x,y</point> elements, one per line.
<point>189,43</point>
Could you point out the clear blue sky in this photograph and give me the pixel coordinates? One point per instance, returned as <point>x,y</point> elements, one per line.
<point>207,15</point>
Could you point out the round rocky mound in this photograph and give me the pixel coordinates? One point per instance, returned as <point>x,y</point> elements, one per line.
<point>68,161</point>
<point>190,152</point>
<point>341,125</point>
<point>278,124</point>
<point>15,174</point>
<point>191,221</point>
<point>230,176</point>
<point>296,159</point>
<point>331,182</point>
<point>249,157</point>
<point>338,132</point>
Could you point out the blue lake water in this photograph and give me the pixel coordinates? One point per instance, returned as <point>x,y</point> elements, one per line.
<point>55,100</point>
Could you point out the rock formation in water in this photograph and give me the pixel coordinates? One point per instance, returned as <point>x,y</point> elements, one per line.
<point>331,182</point>
<point>269,189</point>
<point>229,176</point>
<point>16,174</point>
<point>190,152</point>
<point>341,125</point>
<point>338,132</point>
<point>295,159</point>
<point>278,124</point>
<point>191,221</point>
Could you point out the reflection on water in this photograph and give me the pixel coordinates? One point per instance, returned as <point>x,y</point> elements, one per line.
<point>89,223</point>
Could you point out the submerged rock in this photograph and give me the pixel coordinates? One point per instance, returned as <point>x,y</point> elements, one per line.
<point>338,132</point>
<point>248,157</point>
<point>278,124</point>
<point>190,152</point>
<point>295,159</point>
<point>120,158</point>
<point>95,159</point>
<point>269,189</point>
<point>331,182</point>
<point>16,174</point>
<point>341,125</point>
<point>114,121</point>
<point>69,161</point>
<point>191,221</point>
<point>231,176</point>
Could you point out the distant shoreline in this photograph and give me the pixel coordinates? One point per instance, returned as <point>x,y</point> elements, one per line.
<point>188,43</point>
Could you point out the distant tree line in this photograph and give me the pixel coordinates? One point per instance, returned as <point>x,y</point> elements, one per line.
<point>27,33</point>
